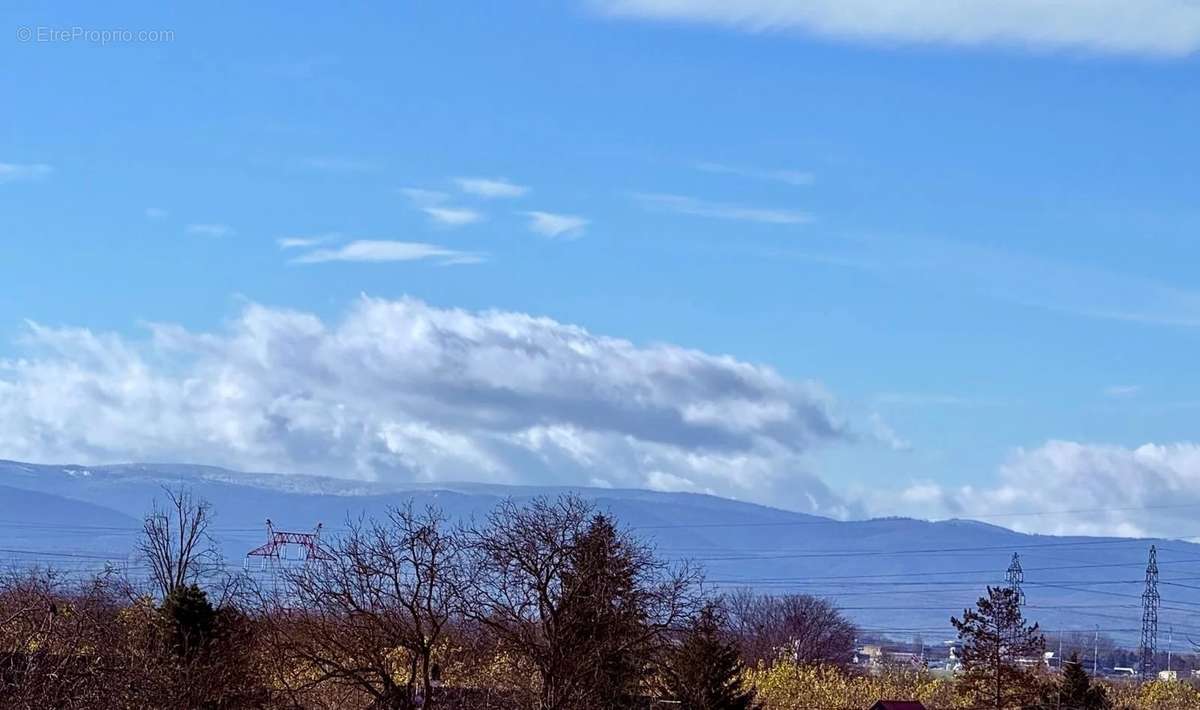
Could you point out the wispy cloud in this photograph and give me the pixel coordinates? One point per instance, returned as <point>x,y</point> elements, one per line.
<point>796,178</point>
<point>703,208</point>
<point>883,432</point>
<point>490,187</point>
<point>210,230</point>
<point>433,204</point>
<point>1029,280</point>
<point>303,242</point>
<point>1122,391</point>
<point>19,172</point>
<point>452,216</point>
<point>156,213</point>
<point>370,250</point>
<point>422,197</point>
<point>934,399</point>
<point>340,164</point>
<point>553,225</point>
<point>1149,27</point>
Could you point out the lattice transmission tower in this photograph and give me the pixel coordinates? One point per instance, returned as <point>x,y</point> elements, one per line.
<point>1150,601</point>
<point>278,542</point>
<point>1015,578</point>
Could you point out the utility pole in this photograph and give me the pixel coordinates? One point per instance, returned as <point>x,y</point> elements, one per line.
<point>1150,600</point>
<point>1015,578</point>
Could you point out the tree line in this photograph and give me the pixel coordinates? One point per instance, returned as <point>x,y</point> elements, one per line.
<point>542,605</point>
<point>547,605</point>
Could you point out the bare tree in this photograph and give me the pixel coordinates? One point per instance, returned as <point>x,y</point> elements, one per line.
<point>800,627</point>
<point>55,640</point>
<point>175,542</point>
<point>373,616</point>
<point>585,606</point>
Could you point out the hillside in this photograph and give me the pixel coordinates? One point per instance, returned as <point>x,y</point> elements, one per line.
<point>894,575</point>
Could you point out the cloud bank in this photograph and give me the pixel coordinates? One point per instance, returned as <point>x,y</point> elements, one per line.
<point>1066,487</point>
<point>400,390</point>
<point>1145,27</point>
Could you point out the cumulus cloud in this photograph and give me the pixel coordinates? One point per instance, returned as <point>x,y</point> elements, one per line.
<point>490,187</point>
<point>1149,27</point>
<point>400,390</point>
<point>384,250</point>
<point>703,208</point>
<point>549,224</point>
<point>1065,487</point>
<point>17,172</point>
<point>210,230</point>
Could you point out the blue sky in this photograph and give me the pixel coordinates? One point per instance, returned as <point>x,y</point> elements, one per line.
<point>976,238</point>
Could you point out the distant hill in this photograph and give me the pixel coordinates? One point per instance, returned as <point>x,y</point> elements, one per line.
<point>894,575</point>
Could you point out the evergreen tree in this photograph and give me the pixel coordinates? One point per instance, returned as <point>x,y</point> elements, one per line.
<point>1076,690</point>
<point>1000,653</point>
<point>705,671</point>
<point>603,616</point>
<point>191,620</point>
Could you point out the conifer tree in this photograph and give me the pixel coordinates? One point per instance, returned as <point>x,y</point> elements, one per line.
<point>999,652</point>
<point>1076,690</point>
<point>704,672</point>
<point>191,620</point>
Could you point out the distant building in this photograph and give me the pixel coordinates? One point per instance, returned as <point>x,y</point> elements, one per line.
<point>876,656</point>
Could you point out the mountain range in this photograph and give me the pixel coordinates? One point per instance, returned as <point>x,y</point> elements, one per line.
<point>895,576</point>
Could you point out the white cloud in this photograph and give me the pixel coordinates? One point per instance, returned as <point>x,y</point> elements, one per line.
<point>304,242</point>
<point>423,198</point>
<point>19,172</point>
<point>490,187</point>
<point>795,178</point>
<point>156,213</point>
<point>210,230</point>
<point>702,208</point>
<point>452,216</point>
<point>383,250</point>
<point>886,435</point>
<point>1120,391</point>
<point>433,204</point>
<point>297,242</point>
<point>1149,27</point>
<point>1070,488</point>
<point>400,390</point>
<point>553,225</point>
